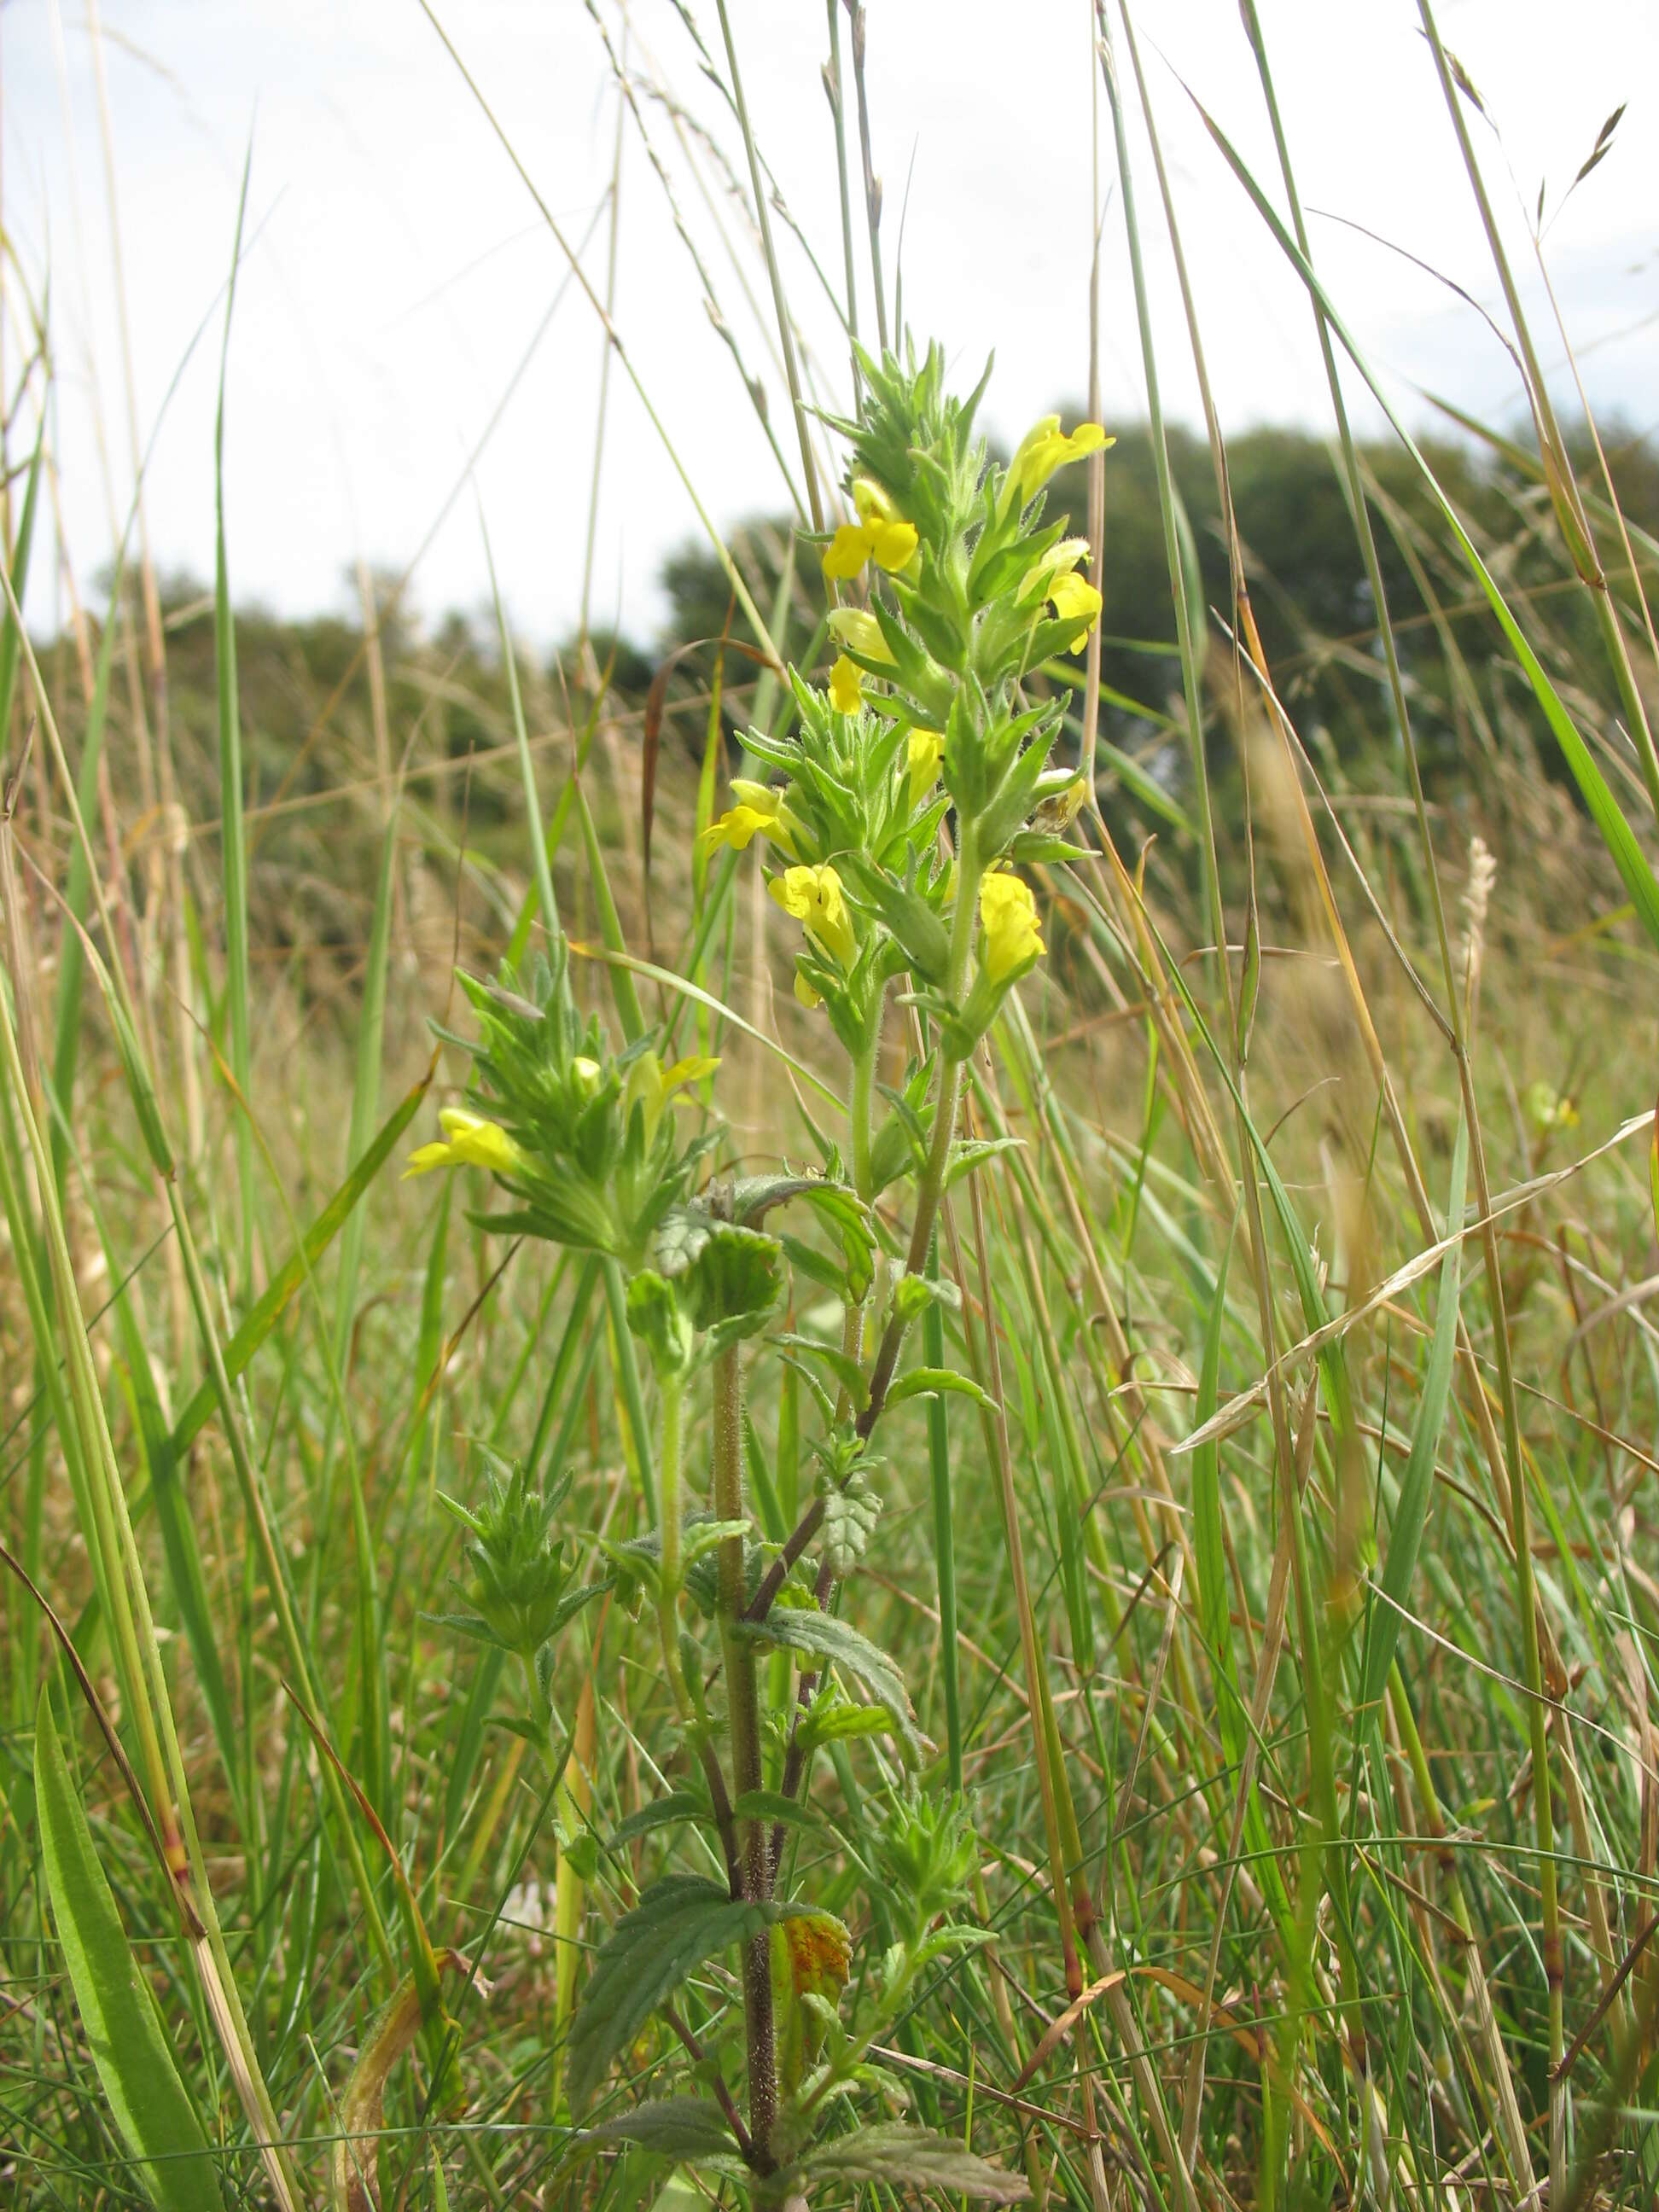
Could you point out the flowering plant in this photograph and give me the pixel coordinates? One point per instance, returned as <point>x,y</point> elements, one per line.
<point>892,822</point>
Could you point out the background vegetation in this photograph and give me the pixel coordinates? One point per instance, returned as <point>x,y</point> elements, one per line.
<point>1324,1931</point>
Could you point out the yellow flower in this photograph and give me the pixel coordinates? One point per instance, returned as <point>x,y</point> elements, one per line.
<point>925,749</point>
<point>1013,938</point>
<point>859,633</point>
<point>881,534</point>
<point>1060,812</point>
<point>813,895</point>
<point>846,686</point>
<point>1075,599</point>
<point>469,1141</point>
<point>759,812</point>
<point>652,1086</point>
<point>1043,449</point>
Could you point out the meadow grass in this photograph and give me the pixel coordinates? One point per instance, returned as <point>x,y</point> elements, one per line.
<point>1282,1596</point>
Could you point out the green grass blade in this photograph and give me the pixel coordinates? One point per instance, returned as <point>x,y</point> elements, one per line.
<point>173,1513</point>
<point>623,995</point>
<point>233,856</point>
<point>1417,1484</point>
<point>130,2046</point>
<point>286,1281</point>
<point>72,962</point>
<point>11,637</point>
<point>1634,869</point>
<point>365,1089</point>
<point>1209,1554</point>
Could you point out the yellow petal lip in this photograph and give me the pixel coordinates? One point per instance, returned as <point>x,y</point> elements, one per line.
<point>425,1158</point>
<point>1013,938</point>
<point>859,633</point>
<point>759,812</point>
<point>881,534</point>
<point>692,1069</point>
<point>1043,449</point>
<point>924,752</point>
<point>846,686</point>
<point>892,544</point>
<point>873,502</point>
<point>813,897</point>
<point>1075,599</point>
<point>469,1141</point>
<point>847,552</point>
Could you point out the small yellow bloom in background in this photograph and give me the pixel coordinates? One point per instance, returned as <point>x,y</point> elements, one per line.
<point>924,750</point>
<point>1074,599</point>
<point>1043,449</point>
<point>652,1086</point>
<point>759,812</point>
<point>881,534</point>
<point>1546,1111</point>
<point>814,896</point>
<point>470,1141</point>
<point>846,686</point>
<point>859,633</point>
<point>1012,937</point>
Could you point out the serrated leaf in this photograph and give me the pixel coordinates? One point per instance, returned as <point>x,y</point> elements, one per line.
<point>698,1537</point>
<point>837,1724</point>
<point>130,2048</point>
<point>672,2127</point>
<point>773,1805</point>
<point>680,1805</point>
<point>729,1277</point>
<point>676,1926</point>
<point>845,1369</point>
<point>913,1294</point>
<point>826,1639</point>
<point>892,2152</point>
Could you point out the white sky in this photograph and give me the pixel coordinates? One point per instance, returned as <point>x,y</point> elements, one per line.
<point>400,269</point>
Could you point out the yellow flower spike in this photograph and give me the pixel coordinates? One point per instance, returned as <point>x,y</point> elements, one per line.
<point>1043,449</point>
<point>924,750</point>
<point>846,686</point>
<point>1012,937</point>
<point>859,633</point>
<point>760,812</point>
<point>813,897</point>
<point>1075,599</point>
